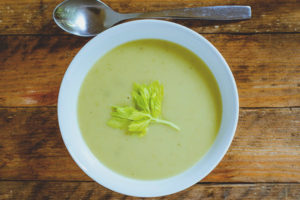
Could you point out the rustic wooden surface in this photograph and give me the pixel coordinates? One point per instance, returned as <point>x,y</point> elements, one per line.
<point>263,161</point>
<point>262,150</point>
<point>90,190</point>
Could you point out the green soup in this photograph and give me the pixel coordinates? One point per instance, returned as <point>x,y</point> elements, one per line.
<point>191,100</point>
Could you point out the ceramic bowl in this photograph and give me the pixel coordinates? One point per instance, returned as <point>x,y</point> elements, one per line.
<point>106,41</point>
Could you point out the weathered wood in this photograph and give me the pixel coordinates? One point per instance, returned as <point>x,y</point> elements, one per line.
<point>11,190</point>
<point>34,163</point>
<point>32,68</point>
<point>35,16</point>
<point>266,67</point>
<point>265,148</point>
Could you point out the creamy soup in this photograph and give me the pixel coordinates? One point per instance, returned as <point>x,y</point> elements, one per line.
<point>192,101</point>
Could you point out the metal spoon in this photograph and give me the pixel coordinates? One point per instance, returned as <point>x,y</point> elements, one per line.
<point>90,17</point>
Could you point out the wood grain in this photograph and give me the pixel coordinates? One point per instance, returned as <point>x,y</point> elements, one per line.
<point>266,67</point>
<point>11,190</point>
<point>35,16</point>
<point>266,147</point>
<point>32,68</point>
<point>263,161</point>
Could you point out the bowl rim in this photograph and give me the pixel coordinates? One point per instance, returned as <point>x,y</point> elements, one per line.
<point>154,184</point>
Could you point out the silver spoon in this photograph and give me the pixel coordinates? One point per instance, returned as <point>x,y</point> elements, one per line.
<point>90,17</point>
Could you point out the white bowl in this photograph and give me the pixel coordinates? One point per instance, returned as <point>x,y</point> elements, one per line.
<point>104,42</point>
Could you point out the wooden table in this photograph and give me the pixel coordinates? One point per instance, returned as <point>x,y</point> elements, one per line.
<point>263,161</point>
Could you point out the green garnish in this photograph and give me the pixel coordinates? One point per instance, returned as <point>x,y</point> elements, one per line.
<point>147,100</point>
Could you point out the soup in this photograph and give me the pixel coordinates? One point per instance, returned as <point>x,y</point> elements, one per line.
<point>191,100</point>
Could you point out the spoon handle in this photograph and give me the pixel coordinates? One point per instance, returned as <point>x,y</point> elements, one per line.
<point>204,13</point>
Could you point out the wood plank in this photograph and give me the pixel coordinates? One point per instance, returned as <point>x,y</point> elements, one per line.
<point>11,190</point>
<point>265,148</point>
<point>35,16</point>
<point>32,68</point>
<point>266,67</point>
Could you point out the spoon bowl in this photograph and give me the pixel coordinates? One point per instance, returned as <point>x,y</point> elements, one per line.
<point>84,18</point>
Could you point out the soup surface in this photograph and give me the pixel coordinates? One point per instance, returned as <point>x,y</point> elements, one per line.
<point>191,100</point>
